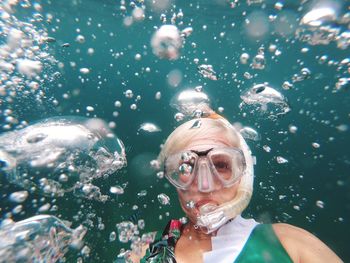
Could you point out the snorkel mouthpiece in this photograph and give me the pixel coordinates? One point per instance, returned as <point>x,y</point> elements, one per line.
<point>211,218</point>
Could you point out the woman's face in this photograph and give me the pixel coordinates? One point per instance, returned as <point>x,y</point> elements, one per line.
<point>192,199</point>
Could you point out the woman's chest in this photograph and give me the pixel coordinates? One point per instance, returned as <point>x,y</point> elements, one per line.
<point>191,251</point>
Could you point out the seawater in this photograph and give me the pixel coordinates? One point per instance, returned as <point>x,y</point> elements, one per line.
<point>101,49</point>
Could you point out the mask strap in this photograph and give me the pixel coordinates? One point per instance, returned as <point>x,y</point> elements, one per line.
<point>213,115</point>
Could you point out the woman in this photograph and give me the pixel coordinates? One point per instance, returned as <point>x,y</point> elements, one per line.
<point>211,167</point>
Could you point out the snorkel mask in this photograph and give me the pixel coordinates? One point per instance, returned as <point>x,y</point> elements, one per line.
<point>182,168</point>
<point>212,217</point>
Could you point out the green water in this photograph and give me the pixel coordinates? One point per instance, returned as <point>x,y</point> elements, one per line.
<point>311,174</point>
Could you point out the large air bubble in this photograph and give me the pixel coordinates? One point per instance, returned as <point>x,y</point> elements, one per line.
<point>42,238</point>
<point>61,154</point>
<point>191,103</point>
<point>266,99</point>
<point>166,42</point>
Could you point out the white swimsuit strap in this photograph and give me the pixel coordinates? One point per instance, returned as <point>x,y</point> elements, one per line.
<point>230,240</point>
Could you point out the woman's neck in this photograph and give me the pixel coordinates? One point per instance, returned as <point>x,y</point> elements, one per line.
<point>193,232</point>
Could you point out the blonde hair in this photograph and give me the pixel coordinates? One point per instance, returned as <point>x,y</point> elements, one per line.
<point>209,128</point>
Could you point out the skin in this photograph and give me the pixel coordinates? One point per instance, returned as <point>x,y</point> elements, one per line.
<point>301,245</point>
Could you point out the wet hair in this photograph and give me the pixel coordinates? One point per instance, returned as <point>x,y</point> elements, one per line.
<point>209,129</point>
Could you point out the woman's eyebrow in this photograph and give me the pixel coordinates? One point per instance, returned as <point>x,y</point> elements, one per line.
<point>202,153</point>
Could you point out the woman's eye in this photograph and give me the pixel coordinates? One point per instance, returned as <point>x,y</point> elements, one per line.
<point>222,166</point>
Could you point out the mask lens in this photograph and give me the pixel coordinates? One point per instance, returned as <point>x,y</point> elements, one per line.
<point>179,168</point>
<point>229,164</point>
<point>223,166</point>
<point>184,173</point>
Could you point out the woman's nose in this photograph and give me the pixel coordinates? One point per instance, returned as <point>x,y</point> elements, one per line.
<point>204,177</point>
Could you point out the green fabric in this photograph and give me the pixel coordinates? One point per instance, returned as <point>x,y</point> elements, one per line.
<point>163,248</point>
<point>263,246</point>
<point>144,259</point>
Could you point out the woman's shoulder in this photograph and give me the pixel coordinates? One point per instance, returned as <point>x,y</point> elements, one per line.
<point>302,246</point>
<point>289,233</point>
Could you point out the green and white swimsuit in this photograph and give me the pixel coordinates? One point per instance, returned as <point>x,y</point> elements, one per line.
<point>245,240</point>
<point>240,241</point>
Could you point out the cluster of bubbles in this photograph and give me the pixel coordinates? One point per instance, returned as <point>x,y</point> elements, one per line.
<point>24,53</point>
<point>130,232</point>
<point>61,154</point>
<point>207,71</point>
<point>322,25</point>
<point>42,238</point>
<point>53,157</point>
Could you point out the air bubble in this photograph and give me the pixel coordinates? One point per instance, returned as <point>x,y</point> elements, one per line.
<point>158,95</point>
<point>19,197</point>
<point>112,236</point>
<point>142,193</point>
<point>190,204</point>
<point>166,42</point>
<point>207,71</point>
<point>262,95</point>
<point>281,160</point>
<point>267,148</point>
<point>138,57</point>
<point>293,128</point>
<point>90,108</point>
<point>118,190</point>
<point>163,199</point>
<point>250,134</point>
<point>84,71</point>
<point>160,175</point>
<point>117,104</point>
<point>179,116</point>
<point>316,145</point>
<point>80,39</point>
<point>188,101</point>
<point>149,127</point>
<point>287,85</point>
<point>259,62</point>
<point>129,94</point>
<point>320,204</point>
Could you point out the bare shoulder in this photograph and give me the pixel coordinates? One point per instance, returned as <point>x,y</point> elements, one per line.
<point>302,246</point>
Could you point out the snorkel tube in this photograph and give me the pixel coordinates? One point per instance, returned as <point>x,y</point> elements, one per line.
<point>212,217</point>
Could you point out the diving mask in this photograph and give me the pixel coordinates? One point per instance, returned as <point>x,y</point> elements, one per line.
<point>213,166</point>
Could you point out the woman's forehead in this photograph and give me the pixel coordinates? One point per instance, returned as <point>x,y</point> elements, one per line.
<point>205,143</point>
